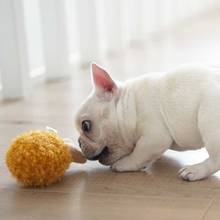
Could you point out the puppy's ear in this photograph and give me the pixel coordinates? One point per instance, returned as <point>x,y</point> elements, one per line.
<point>105,87</point>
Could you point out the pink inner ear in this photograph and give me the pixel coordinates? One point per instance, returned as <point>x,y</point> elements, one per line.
<point>102,79</point>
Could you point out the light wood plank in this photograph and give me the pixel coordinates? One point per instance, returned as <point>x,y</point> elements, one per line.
<point>80,205</point>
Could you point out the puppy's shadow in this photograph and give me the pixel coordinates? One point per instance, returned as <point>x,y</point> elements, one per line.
<point>166,163</point>
<point>100,175</point>
<point>92,176</point>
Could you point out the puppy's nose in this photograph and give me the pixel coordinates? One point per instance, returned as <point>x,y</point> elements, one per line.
<point>80,144</point>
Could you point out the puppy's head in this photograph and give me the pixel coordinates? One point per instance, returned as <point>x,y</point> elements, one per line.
<point>97,121</point>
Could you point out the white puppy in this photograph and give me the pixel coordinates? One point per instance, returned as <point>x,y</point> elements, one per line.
<point>130,125</point>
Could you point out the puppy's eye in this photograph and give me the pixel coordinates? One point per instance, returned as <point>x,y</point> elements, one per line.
<point>86,125</point>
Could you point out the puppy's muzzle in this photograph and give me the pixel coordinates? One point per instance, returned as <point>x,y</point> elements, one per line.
<point>98,154</point>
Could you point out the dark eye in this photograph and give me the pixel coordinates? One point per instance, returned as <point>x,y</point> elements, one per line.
<point>86,125</point>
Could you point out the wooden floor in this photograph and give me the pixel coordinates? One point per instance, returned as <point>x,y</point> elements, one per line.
<point>92,191</point>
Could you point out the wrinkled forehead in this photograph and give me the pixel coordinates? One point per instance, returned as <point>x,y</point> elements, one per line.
<point>87,110</point>
<point>92,110</point>
<point>82,114</point>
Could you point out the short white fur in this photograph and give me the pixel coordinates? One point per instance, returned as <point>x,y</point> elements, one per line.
<point>179,109</point>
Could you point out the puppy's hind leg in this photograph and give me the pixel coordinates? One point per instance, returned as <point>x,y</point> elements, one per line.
<point>209,126</point>
<point>201,170</point>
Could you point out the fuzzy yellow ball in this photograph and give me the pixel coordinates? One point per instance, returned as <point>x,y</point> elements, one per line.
<point>38,158</point>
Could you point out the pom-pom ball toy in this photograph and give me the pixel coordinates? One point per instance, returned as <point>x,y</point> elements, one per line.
<point>40,158</point>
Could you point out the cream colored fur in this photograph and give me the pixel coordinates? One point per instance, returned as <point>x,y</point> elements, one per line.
<point>179,109</point>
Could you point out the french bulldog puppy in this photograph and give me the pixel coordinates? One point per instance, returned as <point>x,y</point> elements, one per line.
<point>129,125</point>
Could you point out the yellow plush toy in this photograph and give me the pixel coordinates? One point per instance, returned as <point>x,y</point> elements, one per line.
<point>40,158</point>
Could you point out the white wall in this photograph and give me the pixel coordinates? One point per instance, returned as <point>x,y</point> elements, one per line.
<point>34,36</point>
<point>92,28</point>
<point>72,27</point>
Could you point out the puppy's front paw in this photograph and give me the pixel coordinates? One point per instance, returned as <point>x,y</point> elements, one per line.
<point>192,173</point>
<point>123,166</point>
<point>118,167</point>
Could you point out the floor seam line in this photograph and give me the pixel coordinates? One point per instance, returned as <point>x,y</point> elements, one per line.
<point>207,209</point>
